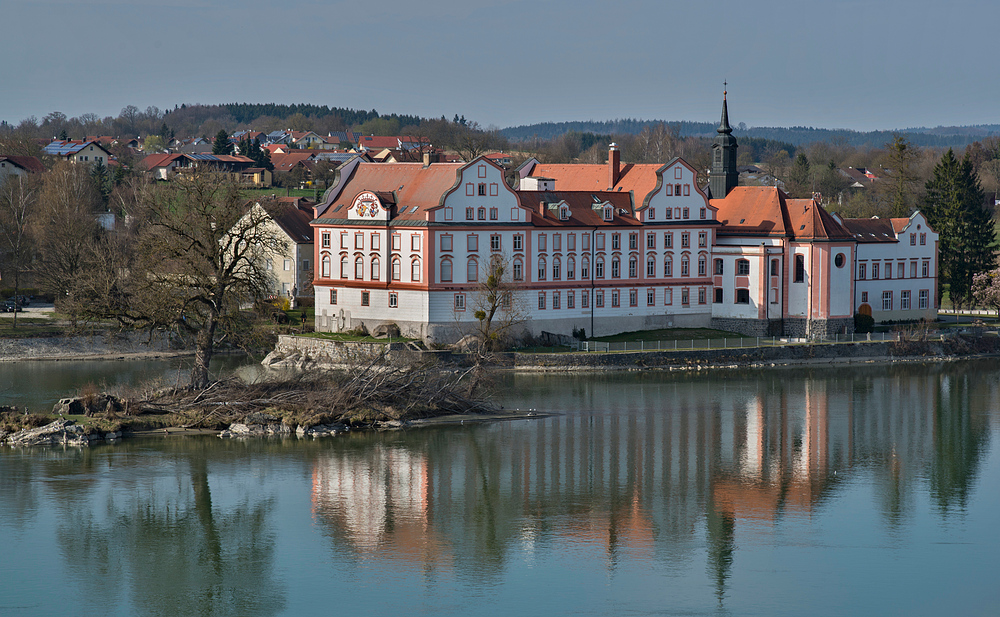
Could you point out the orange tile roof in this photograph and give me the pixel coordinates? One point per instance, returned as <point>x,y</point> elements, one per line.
<point>581,208</point>
<point>765,210</point>
<point>637,177</point>
<point>412,183</point>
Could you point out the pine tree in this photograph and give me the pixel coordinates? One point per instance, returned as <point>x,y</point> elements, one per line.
<point>954,208</point>
<point>222,145</point>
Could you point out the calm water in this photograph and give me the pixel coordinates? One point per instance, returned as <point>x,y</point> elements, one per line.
<point>865,491</point>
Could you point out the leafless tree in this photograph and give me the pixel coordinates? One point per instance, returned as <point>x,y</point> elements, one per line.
<point>18,196</point>
<point>498,305</point>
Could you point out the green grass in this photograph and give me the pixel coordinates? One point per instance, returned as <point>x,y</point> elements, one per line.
<point>280,192</point>
<point>668,334</point>
<point>354,338</point>
<point>30,326</point>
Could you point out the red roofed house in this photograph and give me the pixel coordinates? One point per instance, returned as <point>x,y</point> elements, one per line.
<point>18,166</point>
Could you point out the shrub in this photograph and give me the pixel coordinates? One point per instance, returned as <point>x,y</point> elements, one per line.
<point>863,324</point>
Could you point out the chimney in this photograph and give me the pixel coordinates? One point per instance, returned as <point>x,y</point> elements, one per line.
<point>614,165</point>
<point>427,160</point>
<point>542,208</point>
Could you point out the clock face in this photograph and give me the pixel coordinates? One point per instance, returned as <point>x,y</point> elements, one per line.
<point>366,205</point>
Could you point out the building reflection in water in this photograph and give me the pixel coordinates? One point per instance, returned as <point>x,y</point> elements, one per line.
<point>661,471</point>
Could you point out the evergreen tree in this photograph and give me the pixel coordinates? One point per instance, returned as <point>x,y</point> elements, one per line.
<point>799,184</point>
<point>954,208</point>
<point>222,145</point>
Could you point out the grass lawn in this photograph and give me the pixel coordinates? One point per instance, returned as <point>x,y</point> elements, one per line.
<point>345,337</point>
<point>313,194</point>
<point>29,326</point>
<point>668,334</point>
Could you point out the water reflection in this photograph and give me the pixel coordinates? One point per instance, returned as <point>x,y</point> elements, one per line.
<point>653,463</point>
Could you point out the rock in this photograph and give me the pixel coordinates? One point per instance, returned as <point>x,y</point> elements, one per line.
<point>469,342</point>
<point>57,432</point>
<point>321,430</point>
<point>386,329</point>
<point>239,429</point>
<point>86,405</point>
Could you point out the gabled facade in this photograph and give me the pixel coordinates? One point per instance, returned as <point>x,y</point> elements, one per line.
<point>18,166</point>
<point>89,152</point>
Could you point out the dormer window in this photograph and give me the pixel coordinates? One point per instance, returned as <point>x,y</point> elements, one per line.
<point>608,213</point>
<point>563,213</point>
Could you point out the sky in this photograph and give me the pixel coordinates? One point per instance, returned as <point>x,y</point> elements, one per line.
<point>860,65</point>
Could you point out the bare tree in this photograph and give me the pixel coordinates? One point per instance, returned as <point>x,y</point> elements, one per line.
<point>17,200</point>
<point>498,305</point>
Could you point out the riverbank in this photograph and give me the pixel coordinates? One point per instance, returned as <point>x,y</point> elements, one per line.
<point>97,346</point>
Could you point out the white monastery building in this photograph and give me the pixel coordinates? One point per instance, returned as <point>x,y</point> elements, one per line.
<point>604,248</point>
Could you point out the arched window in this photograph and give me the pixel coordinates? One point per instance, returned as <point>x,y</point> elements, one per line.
<point>343,267</point>
<point>541,268</point>
<point>668,267</point>
<point>585,268</point>
<point>518,274</point>
<point>396,267</point>
<point>571,268</point>
<point>472,270</point>
<point>633,267</point>
<point>359,268</point>
<point>616,268</point>
<point>556,269</point>
<point>376,269</point>
<point>415,270</point>
<point>685,266</point>
<point>326,266</point>
<point>702,260</point>
<point>599,268</point>
<point>446,270</point>
<point>650,266</point>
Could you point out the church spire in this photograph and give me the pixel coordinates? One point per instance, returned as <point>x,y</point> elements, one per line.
<point>723,176</point>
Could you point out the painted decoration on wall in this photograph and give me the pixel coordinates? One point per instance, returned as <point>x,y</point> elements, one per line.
<point>366,206</point>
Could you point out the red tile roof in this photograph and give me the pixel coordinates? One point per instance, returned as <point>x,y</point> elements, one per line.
<point>872,230</point>
<point>286,161</point>
<point>581,208</point>
<point>412,184</point>
<point>27,163</point>
<point>637,177</point>
<point>765,210</point>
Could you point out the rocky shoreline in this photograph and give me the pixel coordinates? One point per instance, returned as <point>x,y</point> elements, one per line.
<point>98,346</point>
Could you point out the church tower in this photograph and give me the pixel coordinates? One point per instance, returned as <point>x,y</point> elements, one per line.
<point>724,176</point>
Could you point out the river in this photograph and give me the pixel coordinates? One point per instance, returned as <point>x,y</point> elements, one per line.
<point>862,490</point>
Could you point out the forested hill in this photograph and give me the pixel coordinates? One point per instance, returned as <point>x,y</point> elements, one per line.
<point>954,137</point>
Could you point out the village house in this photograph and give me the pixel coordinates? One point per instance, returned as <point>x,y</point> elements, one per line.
<point>18,166</point>
<point>78,151</point>
<point>289,219</point>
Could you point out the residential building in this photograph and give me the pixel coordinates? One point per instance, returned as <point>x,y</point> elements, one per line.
<point>292,269</point>
<point>78,151</point>
<point>18,166</point>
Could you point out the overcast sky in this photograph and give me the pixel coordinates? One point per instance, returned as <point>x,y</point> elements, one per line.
<point>861,65</point>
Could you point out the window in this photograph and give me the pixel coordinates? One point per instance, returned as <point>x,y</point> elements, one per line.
<point>556,270</point>
<point>701,295</point>
<point>359,240</point>
<point>542,242</point>
<point>913,239</point>
<point>599,298</point>
<point>570,242</point>
<point>326,267</point>
<point>743,267</point>
<point>585,268</point>
<point>415,271</point>
<point>668,296</point>
<point>900,270</point>
<point>556,242</point>
<point>650,297</point>
<point>922,297</point>
<point>862,268</point>
<point>633,241</point>
<point>269,264</point>
<point>570,299</point>
<point>685,266</point>
<point>719,267</point>
<point>495,243</point>
<point>702,238</point>
<point>701,265</point>
<point>599,242</point>
<point>677,190</point>
<point>518,240</point>
<point>616,269</point>
<point>800,269</point>
<point>685,240</point>
<point>482,189</point>
<point>599,268</point>
<point>874,271</point>
<point>888,269</point>
<point>608,213</point>
<point>651,241</point>
<point>518,273</point>
<point>359,268</point>
<point>904,300</point>
<point>366,298</point>
<point>651,216</point>
<point>376,269</point>
<point>375,242</point>
<point>668,213</point>
<point>396,266</point>
<point>482,213</point>
<point>393,299</point>
<point>616,242</point>
<point>541,268</point>
<point>459,302</point>
<point>742,296</point>
<point>563,213</point>
<point>839,260</point>
<point>774,295</point>
<point>774,267</point>
<point>494,214</point>
<point>343,267</point>
<point>584,299</point>
<point>446,242</point>
<point>687,211</point>
<point>472,243</point>
<point>633,267</point>
<point>668,267</point>
<point>326,239</point>
<point>913,269</point>
<point>668,240</point>
<point>685,296</point>
<point>633,297</point>
<point>333,296</point>
<point>615,298</point>
<point>718,295</point>
<point>397,242</point>
<point>864,296</point>
<point>703,214</point>
<point>585,241</point>
<point>415,242</point>
<point>925,269</point>
<point>446,273</point>
<point>571,268</point>
<point>470,214</point>
<point>923,239</point>
<point>472,270</point>
<point>541,300</point>
<point>650,267</point>
<point>886,300</point>
<point>555,300</point>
